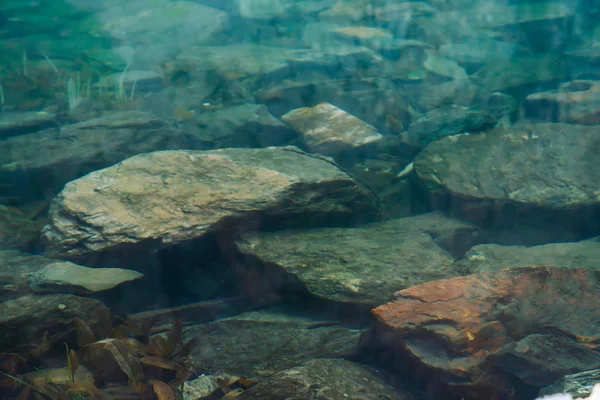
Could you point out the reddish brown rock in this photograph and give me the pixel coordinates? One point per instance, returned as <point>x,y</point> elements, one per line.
<point>494,334</point>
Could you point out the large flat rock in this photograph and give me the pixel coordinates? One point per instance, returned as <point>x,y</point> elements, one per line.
<point>553,166</point>
<point>266,341</point>
<point>493,257</point>
<point>169,197</point>
<point>331,378</point>
<point>364,265</point>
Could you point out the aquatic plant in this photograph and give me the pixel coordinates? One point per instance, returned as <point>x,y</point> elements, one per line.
<point>155,366</point>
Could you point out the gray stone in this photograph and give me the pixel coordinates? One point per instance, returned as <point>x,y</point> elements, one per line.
<point>23,273</point>
<point>443,122</point>
<point>575,102</point>
<point>245,125</point>
<point>145,25</point>
<point>163,198</point>
<point>387,102</point>
<point>334,379</point>
<point>577,385</point>
<point>77,149</point>
<point>493,257</point>
<point>66,277</point>
<point>514,75</point>
<point>18,123</point>
<point>461,92</point>
<point>364,265</point>
<point>25,319</point>
<point>131,82</point>
<point>17,231</point>
<point>553,166</point>
<point>260,9</point>
<point>271,341</point>
<point>271,64</point>
<point>443,66</point>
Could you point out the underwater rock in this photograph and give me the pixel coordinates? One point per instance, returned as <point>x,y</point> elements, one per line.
<point>461,92</point>
<point>260,9</point>
<point>480,49</point>
<point>489,333</point>
<point>66,277</point>
<point>392,12</point>
<point>19,123</point>
<point>364,265</point>
<point>17,231</point>
<point>494,257</point>
<point>205,385</point>
<point>245,125</point>
<point>400,49</point>
<point>144,26</point>
<point>389,180</point>
<point>130,83</point>
<point>15,269</point>
<point>586,52</point>
<point>521,14</point>
<point>515,76</point>
<point>578,385</point>
<point>575,102</point>
<point>347,11</point>
<point>327,378</point>
<point>329,130</point>
<point>24,273</point>
<point>77,149</point>
<point>544,26</point>
<point>25,319</point>
<point>387,103</point>
<point>163,198</point>
<point>550,166</point>
<point>199,312</point>
<point>263,342</point>
<point>269,64</point>
<point>361,33</point>
<point>445,121</point>
<point>501,106</point>
<point>443,66</point>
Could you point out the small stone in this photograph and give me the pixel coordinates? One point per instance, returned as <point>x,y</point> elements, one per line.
<point>329,130</point>
<point>73,278</point>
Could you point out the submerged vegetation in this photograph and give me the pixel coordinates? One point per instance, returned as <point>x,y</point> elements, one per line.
<point>131,363</point>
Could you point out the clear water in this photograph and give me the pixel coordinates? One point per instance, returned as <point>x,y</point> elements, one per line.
<point>261,175</point>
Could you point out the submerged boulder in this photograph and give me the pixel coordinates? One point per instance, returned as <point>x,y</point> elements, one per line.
<point>327,378</point>
<point>164,198</point>
<point>25,319</point>
<point>494,257</point>
<point>552,168</point>
<point>365,265</point>
<point>487,334</point>
<point>40,163</point>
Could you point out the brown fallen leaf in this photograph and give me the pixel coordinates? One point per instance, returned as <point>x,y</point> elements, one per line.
<point>85,335</point>
<point>43,348</point>
<point>162,390</point>
<point>223,385</point>
<point>233,394</point>
<point>128,363</point>
<point>159,362</point>
<point>174,335</point>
